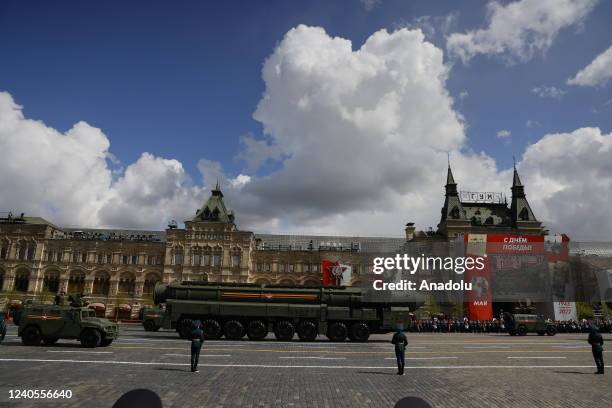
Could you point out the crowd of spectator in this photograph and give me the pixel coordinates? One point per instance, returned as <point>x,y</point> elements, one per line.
<point>465,325</point>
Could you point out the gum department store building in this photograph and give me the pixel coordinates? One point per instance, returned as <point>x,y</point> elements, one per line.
<point>121,267</point>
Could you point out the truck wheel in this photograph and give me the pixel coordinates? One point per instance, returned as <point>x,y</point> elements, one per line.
<point>50,341</point>
<point>359,332</point>
<point>90,338</point>
<point>522,331</point>
<point>284,330</point>
<point>541,333</point>
<point>149,325</point>
<point>257,330</point>
<point>337,331</point>
<point>31,336</point>
<point>234,330</point>
<point>105,342</point>
<point>512,332</point>
<point>307,330</point>
<point>551,330</point>
<point>212,329</point>
<point>184,328</point>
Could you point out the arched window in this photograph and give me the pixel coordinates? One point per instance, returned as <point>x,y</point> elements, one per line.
<point>51,281</point>
<point>236,258</point>
<point>489,221</point>
<point>216,259</point>
<point>127,284</point>
<point>149,283</point>
<point>196,256</point>
<point>76,282</point>
<point>101,284</point>
<point>206,256</point>
<point>455,213</point>
<point>22,279</point>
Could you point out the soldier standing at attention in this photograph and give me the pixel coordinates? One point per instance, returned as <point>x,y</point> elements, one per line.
<point>400,341</point>
<point>596,342</point>
<point>197,339</point>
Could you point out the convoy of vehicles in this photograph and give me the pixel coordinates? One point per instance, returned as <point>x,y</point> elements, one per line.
<point>236,310</point>
<point>152,318</point>
<point>49,323</point>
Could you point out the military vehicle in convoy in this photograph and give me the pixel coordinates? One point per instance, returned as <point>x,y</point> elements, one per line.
<point>521,324</point>
<point>49,323</point>
<point>236,310</point>
<point>152,318</point>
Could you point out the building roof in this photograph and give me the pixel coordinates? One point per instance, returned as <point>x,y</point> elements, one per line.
<point>214,210</point>
<point>106,234</point>
<point>329,243</point>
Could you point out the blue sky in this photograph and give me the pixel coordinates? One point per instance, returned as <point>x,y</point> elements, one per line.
<point>183,80</point>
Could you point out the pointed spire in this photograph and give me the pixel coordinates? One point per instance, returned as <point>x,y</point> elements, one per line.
<point>217,185</point>
<point>516,181</point>
<point>449,176</point>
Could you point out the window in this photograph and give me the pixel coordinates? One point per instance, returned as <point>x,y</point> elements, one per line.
<point>196,260</point>
<point>206,260</point>
<point>109,259</point>
<point>150,260</point>
<point>31,252</point>
<point>178,259</point>
<point>100,258</point>
<point>306,267</point>
<point>282,267</point>
<point>84,257</point>
<point>267,267</point>
<point>236,261</point>
<point>76,256</point>
<point>290,268</point>
<point>3,252</point>
<point>216,260</point>
<point>134,259</point>
<point>315,267</point>
<point>124,259</point>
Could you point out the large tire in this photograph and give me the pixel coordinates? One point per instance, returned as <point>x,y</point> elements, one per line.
<point>521,331</point>
<point>234,330</point>
<point>307,331</point>
<point>541,333</point>
<point>284,330</point>
<point>551,330</point>
<point>149,325</point>
<point>337,331</point>
<point>212,329</point>
<point>359,332</point>
<point>90,338</point>
<point>184,328</point>
<point>105,342</point>
<point>512,332</point>
<point>257,330</point>
<point>31,336</point>
<point>49,341</point>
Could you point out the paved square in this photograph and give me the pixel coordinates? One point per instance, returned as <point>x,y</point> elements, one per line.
<point>447,370</point>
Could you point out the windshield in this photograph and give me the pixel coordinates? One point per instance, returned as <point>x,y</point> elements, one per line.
<point>87,313</point>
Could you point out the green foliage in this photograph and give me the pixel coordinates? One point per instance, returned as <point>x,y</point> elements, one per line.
<point>584,310</point>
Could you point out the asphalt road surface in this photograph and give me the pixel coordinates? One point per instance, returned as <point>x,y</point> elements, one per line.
<point>446,370</point>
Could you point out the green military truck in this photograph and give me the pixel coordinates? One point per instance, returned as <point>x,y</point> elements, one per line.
<point>521,324</point>
<point>152,318</point>
<point>49,323</point>
<point>236,310</point>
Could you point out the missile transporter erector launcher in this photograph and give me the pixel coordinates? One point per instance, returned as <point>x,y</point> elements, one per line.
<point>236,310</point>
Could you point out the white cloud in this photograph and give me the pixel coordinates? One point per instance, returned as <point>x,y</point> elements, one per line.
<point>520,29</point>
<point>463,95</point>
<point>596,73</point>
<point>364,135</point>
<point>66,177</point>
<point>504,134</point>
<point>548,92</point>
<point>568,178</point>
<point>434,27</point>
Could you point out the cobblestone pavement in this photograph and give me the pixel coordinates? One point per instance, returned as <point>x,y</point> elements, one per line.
<point>447,370</point>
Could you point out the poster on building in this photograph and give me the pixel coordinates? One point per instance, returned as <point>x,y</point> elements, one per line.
<point>479,299</point>
<point>565,311</point>
<point>334,273</point>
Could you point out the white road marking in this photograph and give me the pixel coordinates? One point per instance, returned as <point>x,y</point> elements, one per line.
<point>319,358</point>
<point>422,358</point>
<point>201,355</point>
<point>143,363</point>
<point>79,351</point>
<point>523,357</point>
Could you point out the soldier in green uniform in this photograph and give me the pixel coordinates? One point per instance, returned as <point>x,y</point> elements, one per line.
<point>400,341</point>
<point>197,339</point>
<point>596,342</point>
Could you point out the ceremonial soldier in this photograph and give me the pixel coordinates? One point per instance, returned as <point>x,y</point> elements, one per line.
<point>596,342</point>
<point>400,341</point>
<point>197,339</point>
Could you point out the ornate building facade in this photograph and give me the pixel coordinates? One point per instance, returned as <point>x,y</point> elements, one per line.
<point>119,268</point>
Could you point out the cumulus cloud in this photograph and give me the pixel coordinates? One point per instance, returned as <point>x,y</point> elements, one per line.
<point>568,177</point>
<point>358,137</point>
<point>596,73</point>
<point>520,29</point>
<point>66,177</point>
<point>548,92</point>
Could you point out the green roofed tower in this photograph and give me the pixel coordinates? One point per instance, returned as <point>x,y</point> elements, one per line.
<point>214,210</point>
